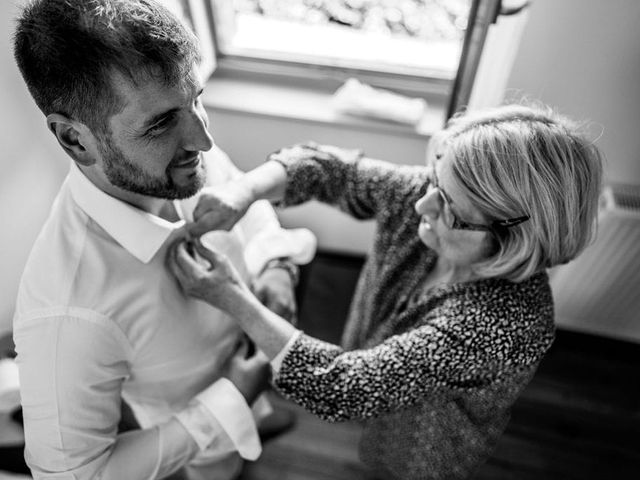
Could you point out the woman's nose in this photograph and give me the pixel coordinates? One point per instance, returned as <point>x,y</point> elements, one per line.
<point>428,204</point>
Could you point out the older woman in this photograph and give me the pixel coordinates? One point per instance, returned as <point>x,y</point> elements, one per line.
<point>453,311</point>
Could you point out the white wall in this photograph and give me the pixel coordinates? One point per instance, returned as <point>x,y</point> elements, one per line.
<point>31,169</point>
<point>583,57</point>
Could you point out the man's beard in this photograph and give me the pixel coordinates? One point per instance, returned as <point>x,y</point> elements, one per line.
<point>123,173</point>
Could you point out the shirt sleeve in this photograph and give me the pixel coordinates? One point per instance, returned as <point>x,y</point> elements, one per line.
<point>71,374</point>
<point>219,409</point>
<point>264,238</point>
<point>341,385</point>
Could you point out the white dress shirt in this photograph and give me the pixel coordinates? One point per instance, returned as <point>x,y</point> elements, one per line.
<point>99,318</point>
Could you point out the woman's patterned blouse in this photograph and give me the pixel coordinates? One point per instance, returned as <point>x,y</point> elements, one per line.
<point>433,372</point>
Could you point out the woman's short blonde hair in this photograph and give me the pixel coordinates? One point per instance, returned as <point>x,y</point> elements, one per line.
<point>520,160</point>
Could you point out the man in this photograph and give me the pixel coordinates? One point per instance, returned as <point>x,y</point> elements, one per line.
<point>98,318</point>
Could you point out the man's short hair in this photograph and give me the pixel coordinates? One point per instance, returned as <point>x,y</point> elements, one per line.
<point>69,50</point>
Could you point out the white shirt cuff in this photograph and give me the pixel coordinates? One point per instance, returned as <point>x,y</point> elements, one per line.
<point>276,362</point>
<point>227,406</point>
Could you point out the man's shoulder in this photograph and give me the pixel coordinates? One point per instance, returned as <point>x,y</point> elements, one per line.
<point>49,271</point>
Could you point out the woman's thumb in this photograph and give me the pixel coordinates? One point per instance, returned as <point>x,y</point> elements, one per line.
<point>199,227</point>
<point>214,258</point>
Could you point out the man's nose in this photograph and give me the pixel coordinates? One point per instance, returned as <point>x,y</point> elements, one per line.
<point>196,133</point>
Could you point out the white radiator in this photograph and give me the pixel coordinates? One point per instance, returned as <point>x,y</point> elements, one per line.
<point>599,292</point>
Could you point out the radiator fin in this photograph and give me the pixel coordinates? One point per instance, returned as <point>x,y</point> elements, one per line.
<point>626,197</point>
<point>599,292</point>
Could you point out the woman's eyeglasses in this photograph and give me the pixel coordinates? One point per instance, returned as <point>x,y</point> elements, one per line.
<point>451,220</point>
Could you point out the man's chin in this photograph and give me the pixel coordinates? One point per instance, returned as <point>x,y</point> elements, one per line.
<point>177,184</point>
<point>185,192</point>
<point>185,184</point>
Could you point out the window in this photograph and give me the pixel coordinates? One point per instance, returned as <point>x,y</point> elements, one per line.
<point>389,43</point>
<point>195,15</point>
<point>416,47</point>
<point>406,39</point>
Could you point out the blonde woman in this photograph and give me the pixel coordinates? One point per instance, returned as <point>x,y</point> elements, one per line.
<point>453,311</point>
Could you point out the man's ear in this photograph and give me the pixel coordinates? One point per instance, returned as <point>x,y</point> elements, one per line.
<point>71,136</point>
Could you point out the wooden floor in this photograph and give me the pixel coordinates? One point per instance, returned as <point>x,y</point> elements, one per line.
<point>579,419</point>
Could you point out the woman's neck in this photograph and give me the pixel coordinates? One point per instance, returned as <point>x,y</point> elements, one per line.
<point>447,272</point>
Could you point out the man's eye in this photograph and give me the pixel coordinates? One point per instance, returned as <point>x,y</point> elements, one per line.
<point>157,128</point>
<point>160,126</point>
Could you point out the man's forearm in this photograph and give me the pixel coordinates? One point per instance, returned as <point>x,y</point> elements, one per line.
<point>150,453</point>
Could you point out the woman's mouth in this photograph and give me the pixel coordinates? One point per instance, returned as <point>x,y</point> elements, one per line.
<point>425,224</point>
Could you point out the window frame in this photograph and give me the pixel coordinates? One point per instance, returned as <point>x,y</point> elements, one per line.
<point>323,76</point>
<point>467,91</point>
<point>457,94</point>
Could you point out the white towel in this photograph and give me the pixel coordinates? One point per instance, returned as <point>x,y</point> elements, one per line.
<point>9,385</point>
<point>357,98</point>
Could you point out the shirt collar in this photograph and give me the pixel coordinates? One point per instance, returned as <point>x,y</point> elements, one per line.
<point>140,233</point>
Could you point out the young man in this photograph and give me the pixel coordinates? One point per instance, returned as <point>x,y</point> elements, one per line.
<point>98,318</point>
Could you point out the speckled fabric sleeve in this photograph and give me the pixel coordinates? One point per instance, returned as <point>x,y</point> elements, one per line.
<point>338,385</point>
<point>361,187</point>
<point>460,340</point>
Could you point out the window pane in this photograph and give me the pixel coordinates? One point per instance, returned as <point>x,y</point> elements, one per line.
<point>412,37</point>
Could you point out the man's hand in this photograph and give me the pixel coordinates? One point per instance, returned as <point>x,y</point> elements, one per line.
<point>249,371</point>
<point>220,207</point>
<point>274,288</point>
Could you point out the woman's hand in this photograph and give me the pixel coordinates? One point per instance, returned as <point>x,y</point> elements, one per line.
<point>219,284</point>
<point>315,151</point>
<point>220,207</point>
<point>211,277</point>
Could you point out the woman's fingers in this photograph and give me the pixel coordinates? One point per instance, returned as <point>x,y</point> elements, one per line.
<point>303,150</point>
<point>220,207</point>
<point>316,151</point>
<point>310,144</point>
<point>206,213</point>
<point>206,221</point>
<point>212,257</point>
<point>184,259</point>
<point>183,264</point>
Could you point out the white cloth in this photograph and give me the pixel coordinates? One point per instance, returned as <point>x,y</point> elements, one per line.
<point>360,99</point>
<point>99,318</point>
<point>9,385</point>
